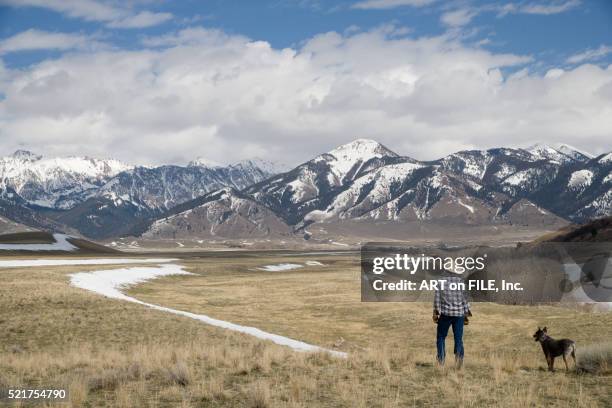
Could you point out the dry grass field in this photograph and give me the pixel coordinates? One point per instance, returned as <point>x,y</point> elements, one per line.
<point>118,354</point>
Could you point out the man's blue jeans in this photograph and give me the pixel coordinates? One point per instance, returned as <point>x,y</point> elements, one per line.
<point>444,323</point>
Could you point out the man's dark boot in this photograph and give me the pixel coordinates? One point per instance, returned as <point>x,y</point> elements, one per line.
<point>458,363</point>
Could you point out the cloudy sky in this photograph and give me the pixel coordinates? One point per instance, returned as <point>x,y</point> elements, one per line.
<point>159,81</point>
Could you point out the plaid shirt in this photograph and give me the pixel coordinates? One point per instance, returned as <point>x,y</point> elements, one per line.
<point>451,302</point>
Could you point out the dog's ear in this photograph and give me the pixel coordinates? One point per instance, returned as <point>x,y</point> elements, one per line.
<point>545,329</point>
<point>539,328</point>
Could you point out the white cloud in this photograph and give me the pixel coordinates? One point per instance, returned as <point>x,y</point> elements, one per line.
<point>463,16</point>
<point>590,55</point>
<point>86,9</point>
<point>108,12</point>
<point>141,20</point>
<point>44,40</point>
<point>389,4</point>
<point>223,97</point>
<point>193,36</point>
<point>458,18</point>
<point>547,8</point>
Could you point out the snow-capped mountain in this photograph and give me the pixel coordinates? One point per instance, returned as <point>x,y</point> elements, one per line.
<point>362,181</point>
<point>145,192</point>
<point>161,188</point>
<point>576,154</point>
<point>265,166</point>
<point>313,185</point>
<point>20,215</point>
<point>65,182</point>
<point>366,182</point>
<point>55,182</point>
<point>562,153</point>
<point>103,198</point>
<point>579,192</point>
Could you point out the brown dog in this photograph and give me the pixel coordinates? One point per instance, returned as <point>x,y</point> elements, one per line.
<point>554,348</point>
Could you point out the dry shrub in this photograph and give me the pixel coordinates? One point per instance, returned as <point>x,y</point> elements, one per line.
<point>264,361</point>
<point>77,391</point>
<point>301,386</point>
<point>213,388</point>
<point>595,359</point>
<point>258,394</point>
<point>109,378</point>
<point>497,364</point>
<point>319,358</point>
<point>379,358</point>
<point>178,373</point>
<point>123,397</point>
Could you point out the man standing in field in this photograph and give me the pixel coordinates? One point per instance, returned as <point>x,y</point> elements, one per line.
<point>450,308</point>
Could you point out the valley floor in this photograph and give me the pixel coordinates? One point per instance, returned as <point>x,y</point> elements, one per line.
<point>114,353</point>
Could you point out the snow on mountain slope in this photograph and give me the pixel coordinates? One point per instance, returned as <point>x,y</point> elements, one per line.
<point>163,187</point>
<point>347,156</point>
<point>361,180</point>
<point>606,159</point>
<point>472,163</point>
<point>546,152</point>
<point>563,153</point>
<point>312,185</point>
<point>63,183</point>
<point>204,162</point>
<point>571,151</point>
<point>55,182</point>
<point>580,179</point>
<point>489,166</point>
<point>528,180</point>
<point>267,166</point>
<point>367,192</point>
<point>600,206</point>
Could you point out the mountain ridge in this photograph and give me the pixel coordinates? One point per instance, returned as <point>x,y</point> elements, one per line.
<point>361,180</point>
<point>474,187</point>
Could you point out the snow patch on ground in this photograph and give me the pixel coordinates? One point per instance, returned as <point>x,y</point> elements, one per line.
<point>314,263</point>
<point>280,267</point>
<point>110,283</point>
<point>25,263</point>
<point>61,244</point>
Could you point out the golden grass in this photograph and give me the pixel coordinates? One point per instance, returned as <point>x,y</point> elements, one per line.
<point>596,358</point>
<point>112,353</point>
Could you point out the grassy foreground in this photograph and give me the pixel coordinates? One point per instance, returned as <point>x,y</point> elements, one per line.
<point>118,354</point>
